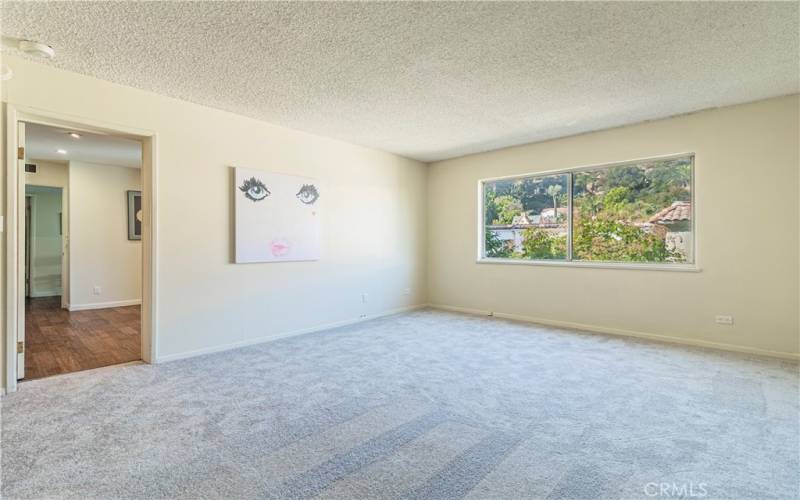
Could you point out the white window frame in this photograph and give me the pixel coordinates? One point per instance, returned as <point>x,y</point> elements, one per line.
<point>568,262</point>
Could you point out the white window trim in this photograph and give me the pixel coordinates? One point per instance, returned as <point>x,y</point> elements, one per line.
<point>686,268</point>
<point>680,267</point>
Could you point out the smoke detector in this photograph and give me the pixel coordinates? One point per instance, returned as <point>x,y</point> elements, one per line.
<point>36,49</point>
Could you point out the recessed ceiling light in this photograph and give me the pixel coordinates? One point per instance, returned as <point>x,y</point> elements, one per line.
<point>61,151</point>
<point>36,49</point>
<point>75,135</point>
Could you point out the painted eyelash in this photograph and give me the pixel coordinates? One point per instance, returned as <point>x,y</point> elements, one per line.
<point>254,189</point>
<point>308,194</point>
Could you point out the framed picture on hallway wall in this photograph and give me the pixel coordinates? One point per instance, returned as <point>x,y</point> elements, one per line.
<point>134,215</point>
<point>277,217</point>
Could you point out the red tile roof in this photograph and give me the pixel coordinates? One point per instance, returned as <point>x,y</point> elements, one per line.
<point>678,211</point>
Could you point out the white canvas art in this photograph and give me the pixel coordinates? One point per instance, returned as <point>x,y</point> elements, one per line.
<point>277,216</point>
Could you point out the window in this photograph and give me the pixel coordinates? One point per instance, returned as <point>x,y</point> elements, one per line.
<point>633,212</point>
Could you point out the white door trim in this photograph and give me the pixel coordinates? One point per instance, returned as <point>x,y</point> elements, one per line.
<point>15,261</point>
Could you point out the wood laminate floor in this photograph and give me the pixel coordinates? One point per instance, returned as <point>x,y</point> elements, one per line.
<point>59,341</point>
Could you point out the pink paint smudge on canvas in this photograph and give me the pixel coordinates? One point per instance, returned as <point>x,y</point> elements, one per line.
<point>279,247</point>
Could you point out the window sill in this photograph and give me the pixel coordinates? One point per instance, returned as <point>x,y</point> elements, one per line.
<point>685,268</point>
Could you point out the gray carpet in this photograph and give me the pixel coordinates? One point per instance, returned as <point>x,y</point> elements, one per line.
<point>425,405</point>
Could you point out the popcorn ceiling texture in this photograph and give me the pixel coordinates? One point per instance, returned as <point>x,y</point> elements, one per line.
<point>430,80</point>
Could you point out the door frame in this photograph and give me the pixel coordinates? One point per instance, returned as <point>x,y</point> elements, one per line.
<point>15,214</point>
<point>28,230</point>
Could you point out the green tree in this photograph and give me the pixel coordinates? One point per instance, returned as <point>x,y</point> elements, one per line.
<point>630,176</point>
<point>553,191</point>
<point>616,199</point>
<point>489,207</point>
<point>667,185</point>
<point>606,238</point>
<point>507,208</point>
<point>540,244</point>
<point>495,247</point>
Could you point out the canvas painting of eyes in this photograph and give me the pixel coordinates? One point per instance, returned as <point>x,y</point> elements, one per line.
<point>277,216</point>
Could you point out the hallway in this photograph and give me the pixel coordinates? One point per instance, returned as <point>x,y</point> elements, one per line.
<point>59,341</point>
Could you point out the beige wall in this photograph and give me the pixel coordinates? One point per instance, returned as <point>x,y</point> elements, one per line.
<point>100,253</point>
<point>49,174</point>
<point>373,228</point>
<point>747,232</point>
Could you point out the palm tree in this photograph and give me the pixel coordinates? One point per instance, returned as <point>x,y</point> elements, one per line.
<point>554,191</point>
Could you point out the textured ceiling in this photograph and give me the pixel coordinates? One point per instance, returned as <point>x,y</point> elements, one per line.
<point>43,142</point>
<point>430,80</point>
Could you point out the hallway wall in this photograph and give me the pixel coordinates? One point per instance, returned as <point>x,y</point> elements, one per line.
<point>101,255</point>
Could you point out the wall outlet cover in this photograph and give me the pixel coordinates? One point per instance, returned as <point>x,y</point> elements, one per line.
<point>723,319</point>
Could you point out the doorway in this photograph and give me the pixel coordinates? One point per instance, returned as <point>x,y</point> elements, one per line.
<point>56,323</point>
<point>98,321</point>
<point>44,253</point>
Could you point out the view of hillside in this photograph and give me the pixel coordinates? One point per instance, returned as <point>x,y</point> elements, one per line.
<point>628,213</point>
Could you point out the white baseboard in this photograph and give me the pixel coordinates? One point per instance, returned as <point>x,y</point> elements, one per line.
<point>104,305</point>
<point>282,335</point>
<point>618,331</point>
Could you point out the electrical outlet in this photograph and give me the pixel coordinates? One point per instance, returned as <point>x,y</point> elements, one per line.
<point>723,320</point>
<point>97,290</point>
<point>364,298</point>
<point>407,291</point>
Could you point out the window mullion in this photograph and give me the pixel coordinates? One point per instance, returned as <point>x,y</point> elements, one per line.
<point>569,216</point>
